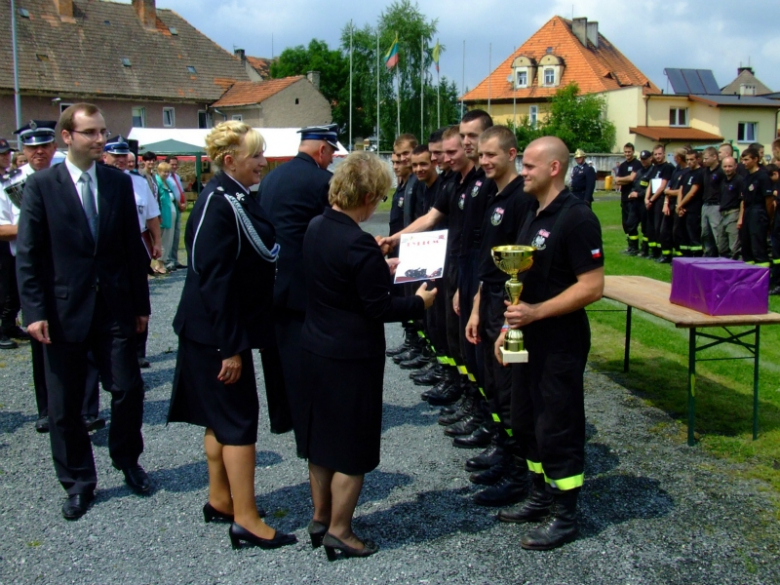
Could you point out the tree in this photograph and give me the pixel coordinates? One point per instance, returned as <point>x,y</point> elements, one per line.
<point>579,121</point>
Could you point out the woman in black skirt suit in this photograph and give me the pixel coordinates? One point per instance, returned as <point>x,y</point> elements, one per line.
<point>343,341</point>
<point>223,314</point>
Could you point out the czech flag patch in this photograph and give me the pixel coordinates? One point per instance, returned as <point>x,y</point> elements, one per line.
<point>596,253</point>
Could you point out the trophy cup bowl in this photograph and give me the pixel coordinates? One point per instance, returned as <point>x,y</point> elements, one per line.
<point>513,260</point>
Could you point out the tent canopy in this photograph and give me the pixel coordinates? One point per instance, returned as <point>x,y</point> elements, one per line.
<point>172,147</point>
<point>280,143</point>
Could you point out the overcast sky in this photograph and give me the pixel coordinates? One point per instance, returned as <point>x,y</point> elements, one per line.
<point>714,34</point>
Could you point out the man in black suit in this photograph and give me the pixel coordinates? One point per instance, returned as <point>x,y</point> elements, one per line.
<point>291,196</point>
<point>82,283</point>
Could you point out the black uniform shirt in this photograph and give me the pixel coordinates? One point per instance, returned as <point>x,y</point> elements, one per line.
<point>712,181</point>
<point>731,192</point>
<point>677,178</point>
<point>642,180</point>
<point>450,202</point>
<point>583,181</point>
<point>478,194</point>
<point>397,208</point>
<point>565,249</point>
<point>660,171</point>
<point>503,219</point>
<point>694,177</point>
<point>624,170</point>
<point>757,187</point>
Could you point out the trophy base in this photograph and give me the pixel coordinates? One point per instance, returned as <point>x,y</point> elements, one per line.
<point>514,357</point>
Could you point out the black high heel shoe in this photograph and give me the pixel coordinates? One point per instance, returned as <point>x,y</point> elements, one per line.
<point>332,544</point>
<point>317,531</point>
<point>211,514</point>
<point>238,534</point>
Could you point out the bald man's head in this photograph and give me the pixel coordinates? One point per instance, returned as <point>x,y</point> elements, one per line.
<point>545,162</point>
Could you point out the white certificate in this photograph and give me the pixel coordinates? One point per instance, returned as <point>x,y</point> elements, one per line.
<point>421,256</point>
<point>655,184</point>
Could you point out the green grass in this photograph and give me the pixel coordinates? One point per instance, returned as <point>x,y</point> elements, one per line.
<point>659,354</point>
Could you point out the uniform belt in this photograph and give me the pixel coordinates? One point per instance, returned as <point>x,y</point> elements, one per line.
<point>729,211</point>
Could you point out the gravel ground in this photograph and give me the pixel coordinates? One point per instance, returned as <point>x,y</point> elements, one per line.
<point>652,509</point>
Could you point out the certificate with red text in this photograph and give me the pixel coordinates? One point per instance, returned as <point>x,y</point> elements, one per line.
<point>421,256</point>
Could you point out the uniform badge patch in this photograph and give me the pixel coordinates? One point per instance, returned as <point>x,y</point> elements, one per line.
<point>751,187</point>
<point>498,216</point>
<point>400,202</point>
<point>475,188</point>
<point>461,201</point>
<point>540,240</point>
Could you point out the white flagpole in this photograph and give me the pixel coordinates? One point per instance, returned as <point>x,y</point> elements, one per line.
<point>422,89</point>
<point>514,94</point>
<point>463,79</point>
<point>438,90</point>
<point>378,71</point>
<point>490,58</point>
<point>350,86</point>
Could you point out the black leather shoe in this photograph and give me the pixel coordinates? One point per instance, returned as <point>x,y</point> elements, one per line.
<point>536,507</point>
<point>415,363</point>
<point>509,490</point>
<point>16,332</point>
<point>481,437</point>
<point>394,351</point>
<point>559,529</point>
<point>144,363</point>
<point>462,408</point>
<point>429,377</point>
<point>136,479</point>
<point>464,427</point>
<point>485,460</point>
<point>76,506</point>
<point>317,531</point>
<point>94,423</point>
<point>424,370</point>
<point>409,354</point>
<point>449,395</point>
<point>239,534</point>
<point>489,476</point>
<point>6,343</point>
<point>436,389</point>
<point>333,544</point>
<point>42,425</point>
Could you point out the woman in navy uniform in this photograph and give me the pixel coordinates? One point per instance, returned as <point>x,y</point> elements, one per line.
<point>343,341</point>
<point>223,314</point>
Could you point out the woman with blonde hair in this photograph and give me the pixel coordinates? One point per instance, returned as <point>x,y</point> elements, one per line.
<point>343,341</point>
<point>168,210</point>
<point>223,314</point>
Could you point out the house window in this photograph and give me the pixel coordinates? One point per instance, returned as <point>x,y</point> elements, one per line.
<point>747,131</point>
<point>296,101</point>
<point>549,76</point>
<point>237,117</point>
<point>192,70</point>
<point>203,119</point>
<point>64,106</point>
<point>678,117</point>
<point>139,117</point>
<point>533,115</point>
<point>522,79</point>
<point>169,117</point>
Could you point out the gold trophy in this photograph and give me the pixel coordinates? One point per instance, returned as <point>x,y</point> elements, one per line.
<point>513,260</point>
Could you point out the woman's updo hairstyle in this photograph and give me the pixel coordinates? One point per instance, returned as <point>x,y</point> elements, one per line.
<point>225,139</point>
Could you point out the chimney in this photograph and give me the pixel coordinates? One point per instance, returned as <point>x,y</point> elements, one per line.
<point>579,26</point>
<point>593,34</point>
<point>240,53</point>
<point>64,8</point>
<point>146,10</point>
<point>314,78</point>
<point>740,69</point>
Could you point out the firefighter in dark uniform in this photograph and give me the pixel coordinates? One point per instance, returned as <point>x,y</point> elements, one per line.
<point>583,178</point>
<point>548,405</point>
<point>626,175</point>
<point>291,196</point>
<point>38,145</point>
<point>670,224</point>
<point>654,200</point>
<point>509,205</point>
<point>635,203</point>
<point>753,221</point>
<point>689,208</point>
<point>730,198</point>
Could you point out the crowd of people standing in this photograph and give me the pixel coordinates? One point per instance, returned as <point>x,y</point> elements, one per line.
<point>287,270</point>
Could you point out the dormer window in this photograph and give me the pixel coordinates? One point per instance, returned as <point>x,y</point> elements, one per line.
<point>522,78</point>
<point>550,70</point>
<point>549,76</point>
<point>524,71</point>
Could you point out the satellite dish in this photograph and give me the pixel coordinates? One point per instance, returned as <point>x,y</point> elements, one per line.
<point>510,78</point>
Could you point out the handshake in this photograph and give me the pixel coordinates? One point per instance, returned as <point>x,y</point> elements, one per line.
<point>387,243</point>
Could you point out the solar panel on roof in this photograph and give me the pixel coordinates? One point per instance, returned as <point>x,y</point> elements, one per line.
<point>708,79</point>
<point>679,86</point>
<point>692,81</point>
<point>691,77</point>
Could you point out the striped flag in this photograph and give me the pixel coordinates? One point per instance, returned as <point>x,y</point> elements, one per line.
<point>391,57</point>
<point>436,51</point>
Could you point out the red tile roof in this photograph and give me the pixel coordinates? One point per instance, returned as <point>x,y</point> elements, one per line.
<point>246,93</point>
<point>659,133</point>
<point>593,69</point>
<point>261,65</point>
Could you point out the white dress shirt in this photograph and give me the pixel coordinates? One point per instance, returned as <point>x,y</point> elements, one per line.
<point>75,175</point>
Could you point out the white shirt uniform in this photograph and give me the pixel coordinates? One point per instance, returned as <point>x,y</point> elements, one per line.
<point>145,202</point>
<point>9,213</point>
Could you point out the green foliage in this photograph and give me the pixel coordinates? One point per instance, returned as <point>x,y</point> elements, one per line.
<point>578,120</point>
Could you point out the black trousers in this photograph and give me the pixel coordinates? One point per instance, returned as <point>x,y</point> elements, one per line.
<point>654,219</point>
<point>66,378</point>
<point>498,378</point>
<point>631,210</point>
<point>467,288</point>
<point>436,320</point>
<point>91,406</point>
<point>288,324</point>
<point>548,409</point>
<point>452,321</point>
<point>668,241</point>
<point>752,235</point>
<point>689,232</point>
<point>140,345</point>
<point>774,276</point>
<point>9,293</point>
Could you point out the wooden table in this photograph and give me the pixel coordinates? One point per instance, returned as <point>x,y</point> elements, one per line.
<point>652,296</point>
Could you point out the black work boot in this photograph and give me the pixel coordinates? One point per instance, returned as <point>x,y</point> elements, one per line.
<point>510,489</point>
<point>464,407</point>
<point>493,474</point>
<point>645,248</point>
<point>463,382</point>
<point>633,248</point>
<point>419,361</point>
<point>560,528</point>
<point>487,459</point>
<point>411,353</point>
<point>467,425</point>
<point>430,376</point>
<point>405,346</point>
<point>449,395</point>
<point>536,507</point>
<point>481,437</point>
<point>437,389</point>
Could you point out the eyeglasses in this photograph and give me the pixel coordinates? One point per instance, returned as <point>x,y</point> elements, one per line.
<point>384,198</point>
<point>93,134</point>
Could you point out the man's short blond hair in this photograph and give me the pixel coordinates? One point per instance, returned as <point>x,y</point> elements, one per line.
<point>360,174</point>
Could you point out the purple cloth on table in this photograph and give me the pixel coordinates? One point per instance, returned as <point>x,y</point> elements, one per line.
<point>718,286</point>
